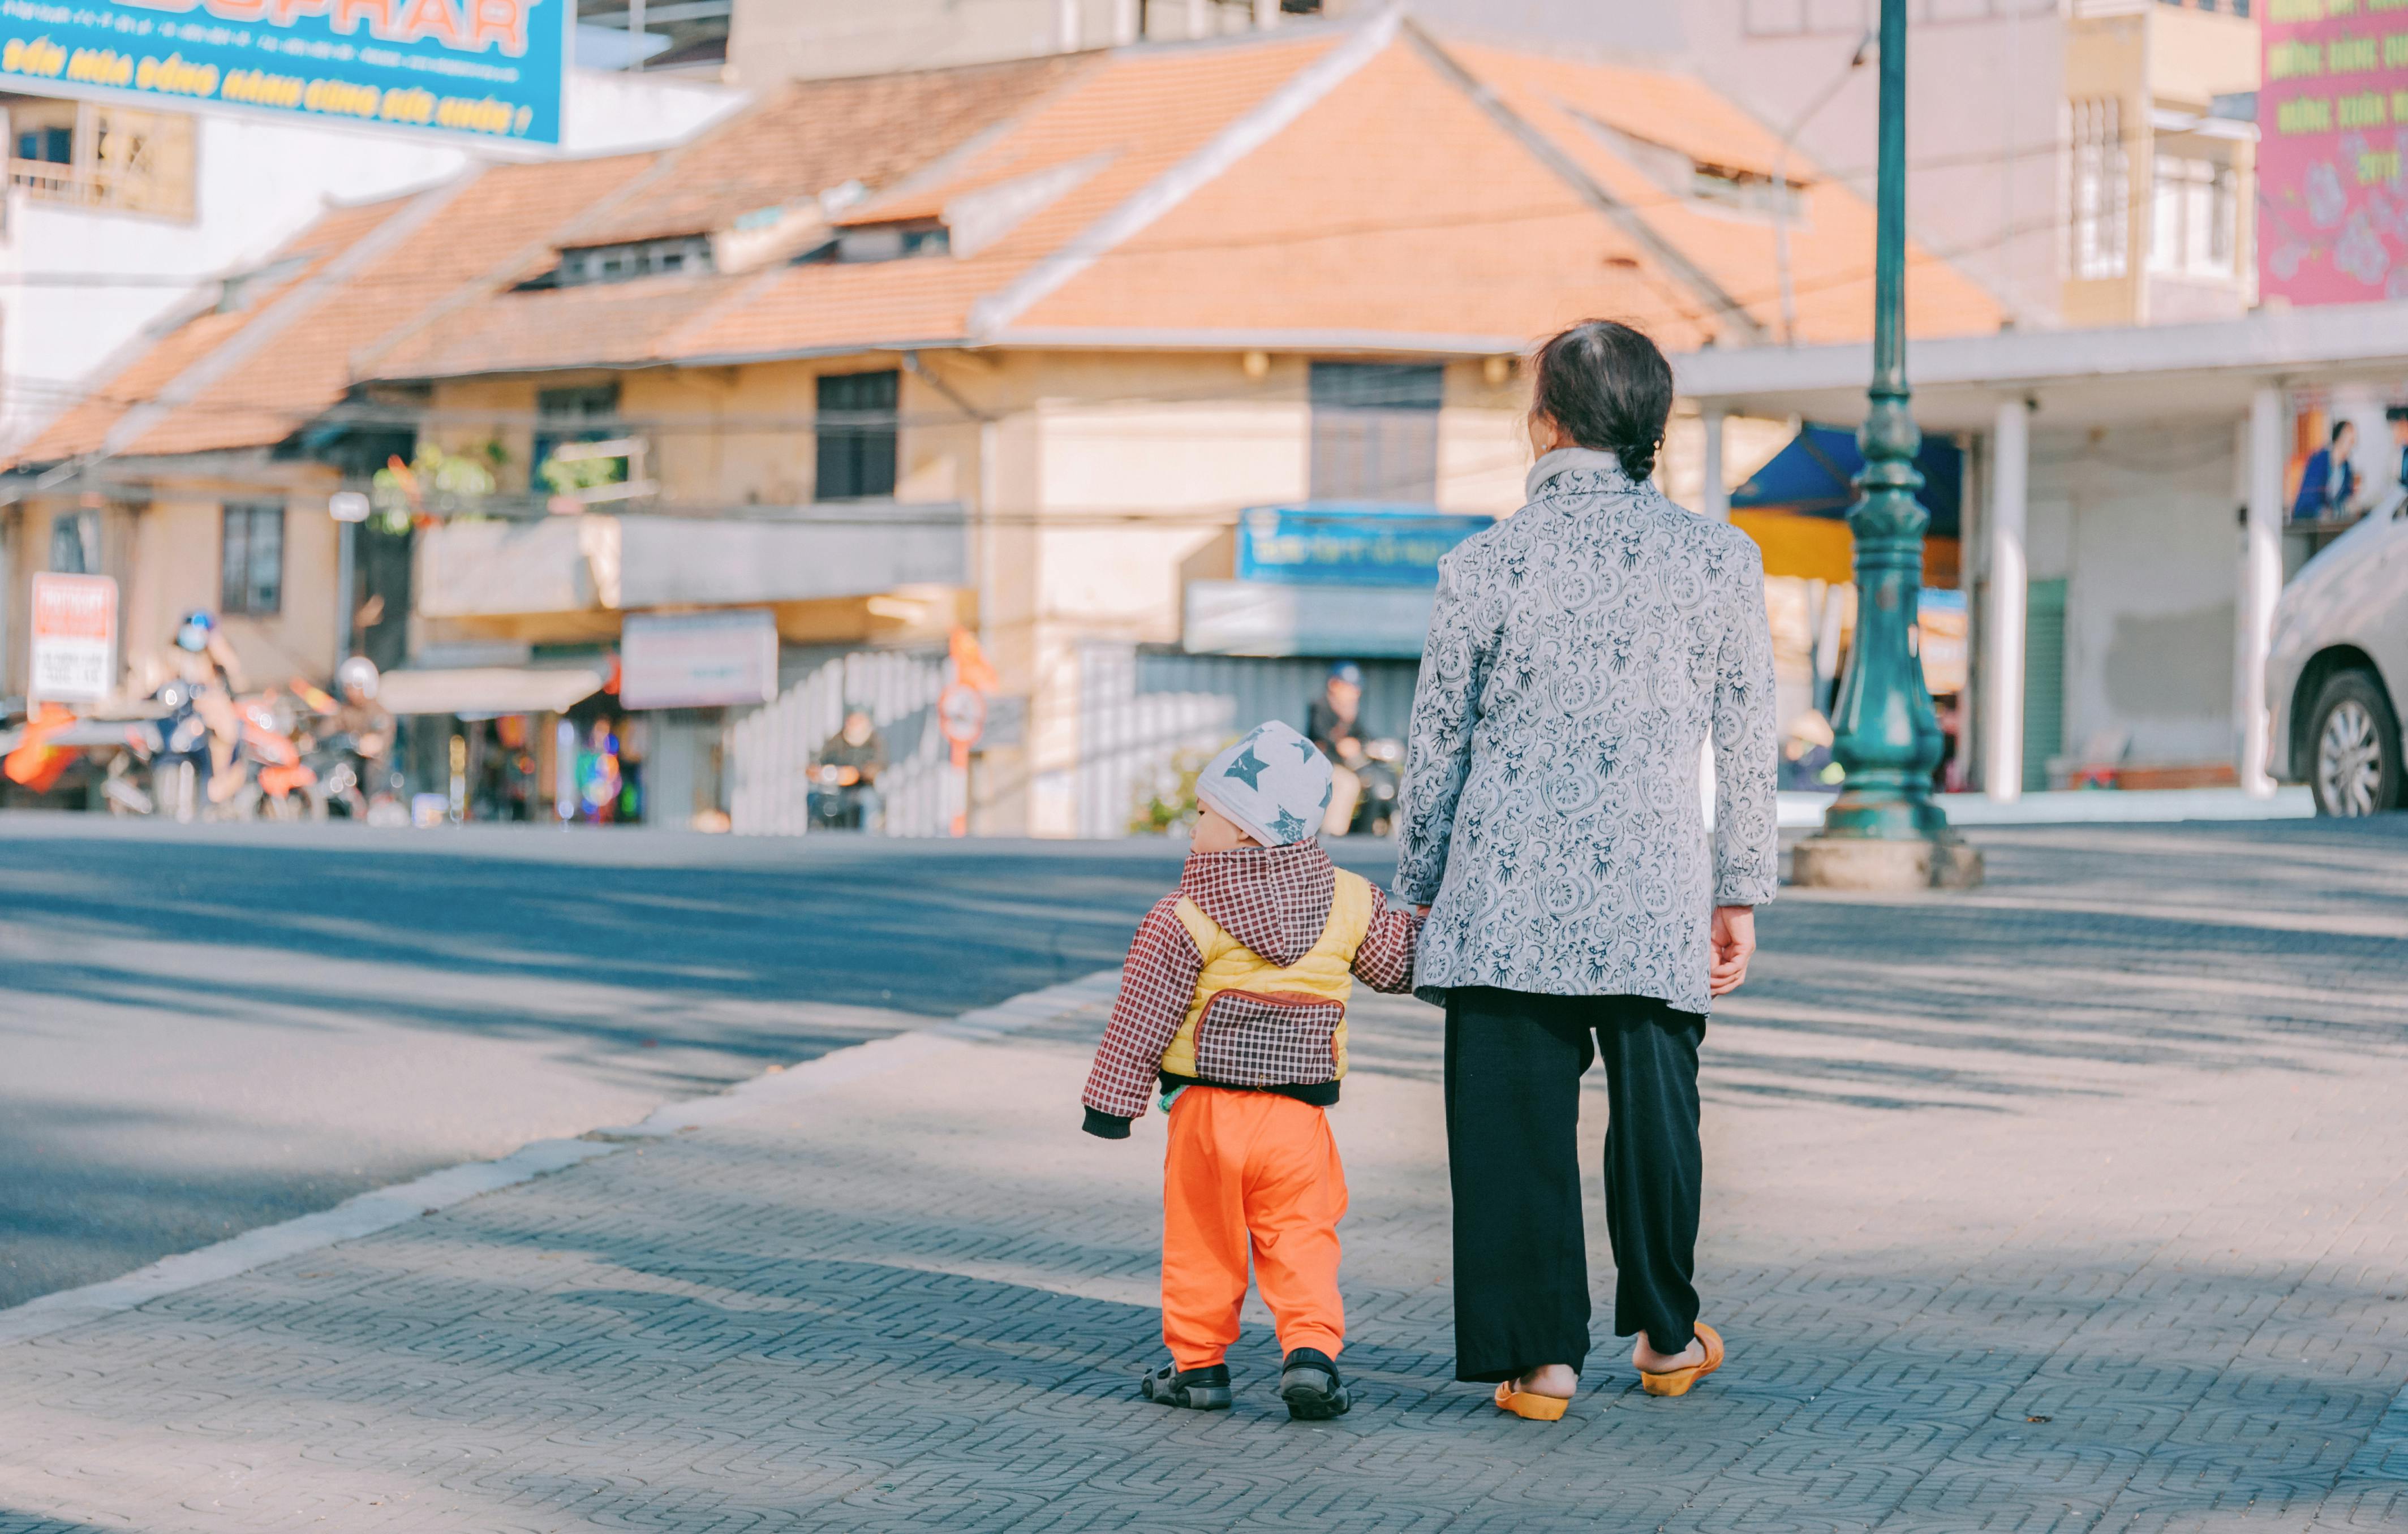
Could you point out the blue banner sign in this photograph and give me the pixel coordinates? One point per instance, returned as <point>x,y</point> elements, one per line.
<point>1350,546</point>
<point>482,68</point>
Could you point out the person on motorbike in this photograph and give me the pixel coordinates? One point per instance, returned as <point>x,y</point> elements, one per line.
<point>359,715</point>
<point>856,754</point>
<point>357,741</point>
<point>1331,724</point>
<point>202,659</point>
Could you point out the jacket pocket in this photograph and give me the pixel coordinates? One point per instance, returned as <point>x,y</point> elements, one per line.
<point>1269,1038</point>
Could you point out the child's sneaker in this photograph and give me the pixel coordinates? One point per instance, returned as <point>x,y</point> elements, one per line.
<point>1205,1389</point>
<point>1309,1385</point>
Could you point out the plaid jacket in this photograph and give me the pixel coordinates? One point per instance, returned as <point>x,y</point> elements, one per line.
<point>1276,901</point>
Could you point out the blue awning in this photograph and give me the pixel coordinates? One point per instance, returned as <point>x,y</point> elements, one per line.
<point>1813,476</point>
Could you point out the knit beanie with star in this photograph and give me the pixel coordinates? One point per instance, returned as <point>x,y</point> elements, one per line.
<point>1274,783</point>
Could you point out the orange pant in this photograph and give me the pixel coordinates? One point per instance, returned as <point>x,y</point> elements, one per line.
<point>1241,1165</point>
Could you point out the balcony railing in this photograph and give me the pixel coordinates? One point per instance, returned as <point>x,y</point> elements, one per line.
<point>124,159</point>
<point>108,187</point>
<point>600,561</point>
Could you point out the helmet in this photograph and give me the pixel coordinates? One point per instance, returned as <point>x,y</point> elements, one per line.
<point>358,672</point>
<point>193,633</point>
<point>1347,672</point>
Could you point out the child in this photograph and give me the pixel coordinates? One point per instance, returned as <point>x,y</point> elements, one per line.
<point>1234,999</point>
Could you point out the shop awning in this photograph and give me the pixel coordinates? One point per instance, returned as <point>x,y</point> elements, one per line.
<point>488,690</point>
<point>1813,476</point>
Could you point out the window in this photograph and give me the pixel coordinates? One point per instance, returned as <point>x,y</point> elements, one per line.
<point>586,413</point>
<point>590,264</point>
<point>2193,206</point>
<point>856,434</point>
<point>51,146</point>
<point>1375,431</point>
<point>75,543</point>
<point>251,561</point>
<point>2098,188</point>
<point>900,241</point>
<point>98,155</point>
<point>681,38</point>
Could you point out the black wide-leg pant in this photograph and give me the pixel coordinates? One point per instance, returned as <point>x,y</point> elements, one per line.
<point>1513,1065</point>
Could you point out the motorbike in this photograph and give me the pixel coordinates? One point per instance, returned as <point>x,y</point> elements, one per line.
<point>282,785</point>
<point>1379,769</point>
<point>165,767</point>
<point>350,784</point>
<point>838,803</point>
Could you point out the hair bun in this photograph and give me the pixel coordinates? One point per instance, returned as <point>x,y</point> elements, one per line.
<point>1607,387</point>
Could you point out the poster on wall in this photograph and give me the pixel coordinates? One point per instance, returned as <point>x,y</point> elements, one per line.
<point>475,68</point>
<point>73,657</point>
<point>2332,124</point>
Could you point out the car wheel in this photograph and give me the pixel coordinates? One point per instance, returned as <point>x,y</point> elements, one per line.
<point>2354,766</point>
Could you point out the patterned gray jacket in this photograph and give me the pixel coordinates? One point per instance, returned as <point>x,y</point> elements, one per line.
<point>1582,653</point>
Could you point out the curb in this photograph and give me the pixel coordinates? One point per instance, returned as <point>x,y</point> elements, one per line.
<point>382,1209</point>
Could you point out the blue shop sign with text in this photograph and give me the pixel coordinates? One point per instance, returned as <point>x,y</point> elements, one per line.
<point>477,68</point>
<point>1348,546</point>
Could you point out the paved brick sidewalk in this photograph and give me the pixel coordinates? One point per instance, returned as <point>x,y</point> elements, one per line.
<point>2079,1203</point>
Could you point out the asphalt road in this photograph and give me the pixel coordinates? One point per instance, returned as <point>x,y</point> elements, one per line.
<point>209,1029</point>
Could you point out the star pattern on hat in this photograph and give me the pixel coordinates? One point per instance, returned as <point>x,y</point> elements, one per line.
<point>1287,827</point>
<point>1248,768</point>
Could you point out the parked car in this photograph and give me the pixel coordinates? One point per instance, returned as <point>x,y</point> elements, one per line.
<point>2336,674</point>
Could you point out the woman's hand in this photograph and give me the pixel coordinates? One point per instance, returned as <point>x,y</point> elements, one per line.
<point>1734,940</point>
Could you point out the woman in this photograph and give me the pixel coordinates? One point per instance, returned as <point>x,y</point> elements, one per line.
<point>1581,654</point>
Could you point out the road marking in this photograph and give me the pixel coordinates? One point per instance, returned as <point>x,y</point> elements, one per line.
<point>382,1209</point>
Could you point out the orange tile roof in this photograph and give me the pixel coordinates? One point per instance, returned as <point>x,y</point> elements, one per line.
<point>82,426</point>
<point>1344,226</point>
<point>815,135</point>
<point>1363,187</point>
<point>1140,111</point>
<point>413,254</point>
<point>1830,241</point>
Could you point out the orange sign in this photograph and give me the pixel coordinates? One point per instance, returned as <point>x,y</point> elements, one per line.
<point>961,713</point>
<point>73,656</point>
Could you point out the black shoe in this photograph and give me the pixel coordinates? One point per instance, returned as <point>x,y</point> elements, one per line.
<point>1309,1385</point>
<point>1205,1389</point>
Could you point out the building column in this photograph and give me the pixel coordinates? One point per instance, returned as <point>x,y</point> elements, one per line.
<point>2262,584</point>
<point>1712,495</point>
<point>1267,13</point>
<point>2002,611</point>
<point>1066,30</point>
<point>1199,19</point>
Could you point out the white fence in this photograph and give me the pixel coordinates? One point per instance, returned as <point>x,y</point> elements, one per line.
<point>1141,711</point>
<point>772,747</point>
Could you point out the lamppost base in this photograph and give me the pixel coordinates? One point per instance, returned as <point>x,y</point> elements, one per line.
<point>1870,862</point>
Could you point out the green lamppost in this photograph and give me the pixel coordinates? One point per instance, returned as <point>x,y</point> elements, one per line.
<point>1884,832</point>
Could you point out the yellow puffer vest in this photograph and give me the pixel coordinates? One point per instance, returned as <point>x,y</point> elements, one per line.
<point>1312,986</point>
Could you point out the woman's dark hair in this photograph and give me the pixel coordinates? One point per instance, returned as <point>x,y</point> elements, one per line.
<point>2340,426</point>
<point>1608,388</point>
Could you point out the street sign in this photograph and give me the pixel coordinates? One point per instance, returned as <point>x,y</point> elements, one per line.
<point>699,660</point>
<point>73,650</point>
<point>1369,546</point>
<point>473,68</point>
<point>961,713</point>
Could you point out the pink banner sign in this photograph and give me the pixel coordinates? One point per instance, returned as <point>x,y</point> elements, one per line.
<point>2333,122</point>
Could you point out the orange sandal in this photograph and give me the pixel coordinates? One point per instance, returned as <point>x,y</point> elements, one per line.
<point>1534,1408</point>
<point>1676,1382</point>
